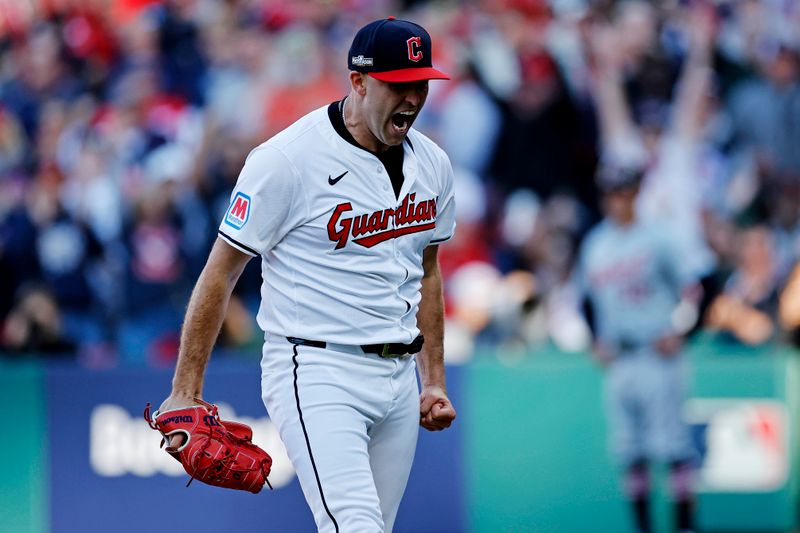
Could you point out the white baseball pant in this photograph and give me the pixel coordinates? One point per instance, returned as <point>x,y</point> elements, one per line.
<point>350,423</point>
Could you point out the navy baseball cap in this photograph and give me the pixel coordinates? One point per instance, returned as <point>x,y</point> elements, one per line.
<point>612,178</point>
<point>395,51</point>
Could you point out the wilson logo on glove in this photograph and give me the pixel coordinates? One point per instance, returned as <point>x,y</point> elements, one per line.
<point>178,419</point>
<point>216,452</point>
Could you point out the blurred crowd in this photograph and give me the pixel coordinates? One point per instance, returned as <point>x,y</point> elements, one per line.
<point>124,123</point>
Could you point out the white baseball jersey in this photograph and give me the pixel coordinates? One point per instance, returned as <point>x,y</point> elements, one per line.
<point>341,254</point>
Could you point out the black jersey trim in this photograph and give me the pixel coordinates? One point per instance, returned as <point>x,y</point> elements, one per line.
<point>308,441</point>
<point>335,116</point>
<point>237,244</point>
<point>392,158</point>
<point>443,239</point>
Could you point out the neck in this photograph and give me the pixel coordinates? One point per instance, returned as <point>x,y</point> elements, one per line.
<point>355,124</point>
<point>624,219</point>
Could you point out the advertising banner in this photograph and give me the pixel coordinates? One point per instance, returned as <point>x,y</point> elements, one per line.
<point>23,483</point>
<point>107,472</point>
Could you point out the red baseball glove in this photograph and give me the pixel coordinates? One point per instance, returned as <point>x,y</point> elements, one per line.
<point>216,452</point>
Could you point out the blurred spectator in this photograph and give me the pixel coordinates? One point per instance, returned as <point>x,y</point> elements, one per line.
<point>183,65</point>
<point>747,308</point>
<point>123,126</point>
<point>535,148</point>
<point>35,325</point>
<point>309,74</point>
<point>155,264</point>
<point>782,208</point>
<point>667,138</point>
<point>11,142</point>
<point>766,109</point>
<point>36,71</point>
<point>45,244</point>
<point>789,310</point>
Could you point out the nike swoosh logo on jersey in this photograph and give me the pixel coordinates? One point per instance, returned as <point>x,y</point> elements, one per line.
<point>334,181</point>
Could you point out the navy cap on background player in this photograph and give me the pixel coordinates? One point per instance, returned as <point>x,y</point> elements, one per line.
<point>394,51</point>
<point>611,178</point>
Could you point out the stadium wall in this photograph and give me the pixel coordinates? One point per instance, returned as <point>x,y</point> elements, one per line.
<point>528,451</point>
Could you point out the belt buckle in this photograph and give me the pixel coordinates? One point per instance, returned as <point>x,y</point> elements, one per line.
<point>386,353</point>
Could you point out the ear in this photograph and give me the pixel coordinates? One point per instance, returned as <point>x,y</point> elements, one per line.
<point>358,82</point>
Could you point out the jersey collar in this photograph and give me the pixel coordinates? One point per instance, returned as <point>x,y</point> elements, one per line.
<point>335,116</point>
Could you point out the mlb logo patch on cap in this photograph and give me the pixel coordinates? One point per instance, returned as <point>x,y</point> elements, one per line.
<point>239,211</point>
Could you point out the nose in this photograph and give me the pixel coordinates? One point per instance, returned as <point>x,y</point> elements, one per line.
<point>412,97</point>
<point>416,93</point>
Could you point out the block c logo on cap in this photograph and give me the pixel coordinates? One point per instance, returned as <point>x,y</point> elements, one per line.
<point>239,211</point>
<point>414,45</point>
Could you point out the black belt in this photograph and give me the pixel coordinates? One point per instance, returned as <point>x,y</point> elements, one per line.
<point>389,349</point>
<point>626,345</point>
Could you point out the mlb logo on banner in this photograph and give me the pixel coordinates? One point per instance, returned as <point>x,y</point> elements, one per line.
<point>239,211</point>
<point>745,443</point>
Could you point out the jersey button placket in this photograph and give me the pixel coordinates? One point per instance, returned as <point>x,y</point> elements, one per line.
<point>379,170</point>
<point>396,255</point>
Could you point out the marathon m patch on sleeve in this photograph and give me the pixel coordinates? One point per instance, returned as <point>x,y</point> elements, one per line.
<point>239,211</point>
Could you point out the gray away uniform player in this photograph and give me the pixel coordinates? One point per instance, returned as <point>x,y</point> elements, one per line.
<point>345,209</point>
<point>633,280</point>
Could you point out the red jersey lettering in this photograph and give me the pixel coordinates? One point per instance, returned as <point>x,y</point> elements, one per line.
<point>370,229</point>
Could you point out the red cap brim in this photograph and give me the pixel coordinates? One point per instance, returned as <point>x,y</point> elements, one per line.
<point>410,74</point>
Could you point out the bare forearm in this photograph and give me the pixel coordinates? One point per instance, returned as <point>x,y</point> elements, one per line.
<point>692,90</point>
<point>696,75</point>
<point>204,317</point>
<point>747,323</point>
<point>202,323</point>
<point>430,320</point>
<point>612,107</point>
<point>436,412</point>
<point>614,115</point>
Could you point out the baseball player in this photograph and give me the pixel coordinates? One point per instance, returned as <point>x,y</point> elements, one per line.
<point>633,281</point>
<point>346,209</point>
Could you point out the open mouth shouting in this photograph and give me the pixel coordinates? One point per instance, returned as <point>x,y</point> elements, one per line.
<point>401,121</point>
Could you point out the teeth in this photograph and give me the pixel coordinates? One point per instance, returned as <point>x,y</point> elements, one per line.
<point>407,117</point>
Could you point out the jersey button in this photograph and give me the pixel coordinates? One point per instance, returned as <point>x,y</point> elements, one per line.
<point>379,169</point>
<point>385,187</point>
